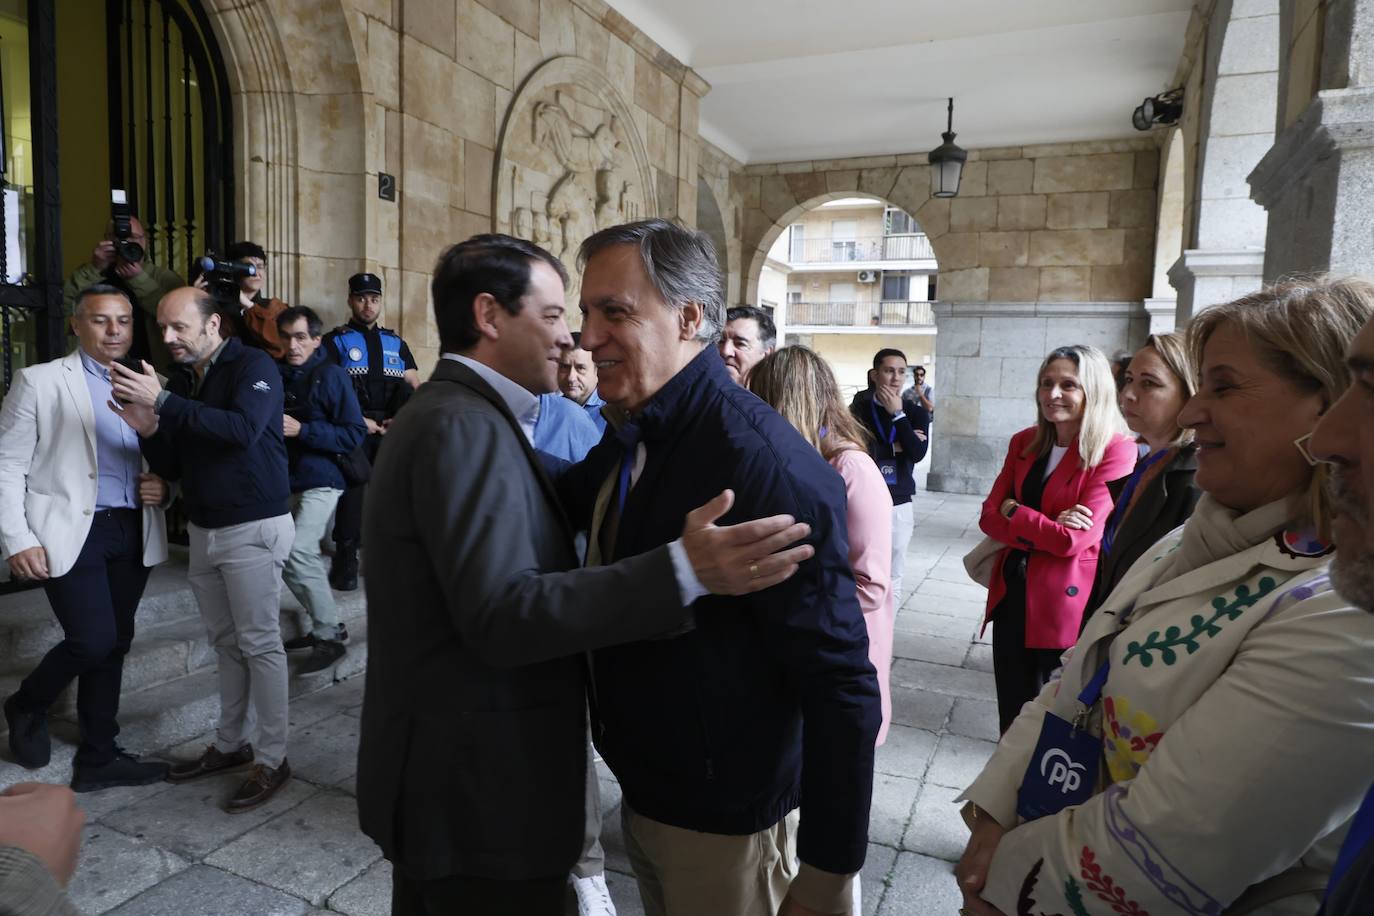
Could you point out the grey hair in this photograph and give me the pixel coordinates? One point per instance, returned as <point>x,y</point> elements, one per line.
<point>681,264</point>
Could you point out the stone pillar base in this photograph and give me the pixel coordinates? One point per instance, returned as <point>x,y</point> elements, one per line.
<point>1317,183</point>
<point>1163,314</point>
<point>1206,277</point>
<point>988,354</point>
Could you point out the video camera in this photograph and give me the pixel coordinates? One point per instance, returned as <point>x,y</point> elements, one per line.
<point>121,214</point>
<point>222,278</point>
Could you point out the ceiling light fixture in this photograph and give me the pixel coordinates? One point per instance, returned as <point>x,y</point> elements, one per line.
<point>948,160</point>
<point>1165,108</point>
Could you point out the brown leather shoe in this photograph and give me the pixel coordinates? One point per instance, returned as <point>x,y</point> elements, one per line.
<point>212,761</point>
<point>259,788</point>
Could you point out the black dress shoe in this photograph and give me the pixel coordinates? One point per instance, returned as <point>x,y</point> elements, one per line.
<point>259,788</point>
<point>325,653</point>
<point>212,761</point>
<point>29,740</point>
<point>308,641</point>
<point>123,770</point>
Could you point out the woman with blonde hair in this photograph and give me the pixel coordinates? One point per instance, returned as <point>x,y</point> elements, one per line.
<point>1207,741</point>
<point>1160,493</point>
<point>799,385</point>
<point>1046,507</point>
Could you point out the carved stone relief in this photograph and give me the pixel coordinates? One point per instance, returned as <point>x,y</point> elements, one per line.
<point>570,162</point>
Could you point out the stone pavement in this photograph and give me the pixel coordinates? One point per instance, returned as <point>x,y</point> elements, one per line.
<point>168,850</point>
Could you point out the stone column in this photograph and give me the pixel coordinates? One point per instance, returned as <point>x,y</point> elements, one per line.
<point>1318,180</point>
<point>1238,113</point>
<point>988,355</point>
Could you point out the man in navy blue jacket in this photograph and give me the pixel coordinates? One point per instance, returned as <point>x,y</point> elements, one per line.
<point>718,732</point>
<point>900,427</point>
<point>322,421</point>
<point>217,428</point>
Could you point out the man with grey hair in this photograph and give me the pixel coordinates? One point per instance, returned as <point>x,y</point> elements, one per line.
<point>1345,439</point>
<point>718,731</point>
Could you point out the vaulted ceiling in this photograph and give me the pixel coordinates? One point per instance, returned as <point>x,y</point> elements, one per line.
<point>809,79</point>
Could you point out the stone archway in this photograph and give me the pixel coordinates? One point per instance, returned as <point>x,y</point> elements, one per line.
<point>1236,115</point>
<point>711,221</point>
<point>301,130</point>
<point>785,198</point>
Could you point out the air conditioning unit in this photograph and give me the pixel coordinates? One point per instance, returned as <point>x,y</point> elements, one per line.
<point>868,276</point>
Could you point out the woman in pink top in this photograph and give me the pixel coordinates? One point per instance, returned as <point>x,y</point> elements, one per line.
<point>799,385</point>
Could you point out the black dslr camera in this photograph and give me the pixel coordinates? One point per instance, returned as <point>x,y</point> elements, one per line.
<point>121,215</point>
<point>222,278</point>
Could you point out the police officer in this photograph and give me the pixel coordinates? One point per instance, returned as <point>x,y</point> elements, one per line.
<point>384,374</point>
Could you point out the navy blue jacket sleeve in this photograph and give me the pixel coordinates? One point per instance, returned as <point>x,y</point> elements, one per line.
<point>256,402</point>
<point>917,419</point>
<point>343,429</point>
<point>822,641</point>
<point>161,454</point>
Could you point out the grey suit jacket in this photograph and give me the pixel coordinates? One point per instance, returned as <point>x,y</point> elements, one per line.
<point>473,744</point>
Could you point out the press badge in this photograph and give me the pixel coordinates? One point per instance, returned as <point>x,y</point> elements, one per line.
<point>1063,769</point>
<point>888,467</point>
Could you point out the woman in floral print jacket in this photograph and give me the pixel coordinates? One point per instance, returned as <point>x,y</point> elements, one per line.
<point>1235,718</point>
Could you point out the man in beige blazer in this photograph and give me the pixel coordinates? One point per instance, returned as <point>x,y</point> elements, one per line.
<point>79,512</point>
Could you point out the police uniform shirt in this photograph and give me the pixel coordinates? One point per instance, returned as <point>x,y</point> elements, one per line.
<point>375,387</point>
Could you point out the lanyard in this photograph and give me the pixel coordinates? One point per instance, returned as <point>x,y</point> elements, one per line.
<point>1090,694</point>
<point>1123,502</point>
<point>1361,832</point>
<point>878,425</point>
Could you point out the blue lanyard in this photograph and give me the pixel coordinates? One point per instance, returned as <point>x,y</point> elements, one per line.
<point>1093,690</point>
<point>878,424</point>
<point>1361,832</point>
<point>1123,502</point>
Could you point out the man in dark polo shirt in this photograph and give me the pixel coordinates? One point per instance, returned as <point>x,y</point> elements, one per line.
<point>384,374</point>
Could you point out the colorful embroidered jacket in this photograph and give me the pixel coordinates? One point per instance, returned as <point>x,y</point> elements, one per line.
<point>1235,726</point>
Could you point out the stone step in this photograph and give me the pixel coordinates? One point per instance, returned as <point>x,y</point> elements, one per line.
<point>157,718</point>
<point>174,648</point>
<point>28,627</point>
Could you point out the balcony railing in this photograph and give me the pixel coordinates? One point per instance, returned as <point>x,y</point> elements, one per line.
<point>908,247</point>
<point>889,313</point>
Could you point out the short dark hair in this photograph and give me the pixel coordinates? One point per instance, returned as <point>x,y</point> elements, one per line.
<point>884,353</point>
<point>768,332</point>
<point>490,263</point>
<point>289,316</point>
<point>240,251</point>
<point>681,264</point>
<point>99,289</point>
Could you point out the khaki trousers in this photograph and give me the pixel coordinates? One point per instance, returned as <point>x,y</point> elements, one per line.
<point>686,873</point>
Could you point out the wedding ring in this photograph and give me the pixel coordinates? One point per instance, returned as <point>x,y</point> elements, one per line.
<point>753,570</point>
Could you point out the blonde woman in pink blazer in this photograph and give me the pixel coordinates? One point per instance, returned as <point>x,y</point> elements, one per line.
<point>799,385</point>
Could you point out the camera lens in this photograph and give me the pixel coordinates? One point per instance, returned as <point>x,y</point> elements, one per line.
<point>131,252</point>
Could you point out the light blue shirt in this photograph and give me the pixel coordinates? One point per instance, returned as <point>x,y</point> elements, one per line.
<point>593,408</point>
<point>524,405</point>
<point>118,460</point>
<point>563,430</point>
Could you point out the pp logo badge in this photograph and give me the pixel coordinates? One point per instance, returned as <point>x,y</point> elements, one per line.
<point>1059,769</point>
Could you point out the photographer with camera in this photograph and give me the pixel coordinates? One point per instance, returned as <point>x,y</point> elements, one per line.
<point>384,374</point>
<point>236,284</point>
<point>120,261</point>
<point>322,425</point>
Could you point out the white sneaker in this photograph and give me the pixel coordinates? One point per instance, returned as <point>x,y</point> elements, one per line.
<point>858,898</point>
<point>593,897</point>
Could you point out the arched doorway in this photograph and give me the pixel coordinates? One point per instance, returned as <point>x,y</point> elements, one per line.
<point>140,105</point>
<point>848,274</point>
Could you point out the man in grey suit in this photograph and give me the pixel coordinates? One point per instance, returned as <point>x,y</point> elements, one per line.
<point>473,747</point>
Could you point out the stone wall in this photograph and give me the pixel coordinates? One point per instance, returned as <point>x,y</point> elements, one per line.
<point>1044,246</point>
<point>441,95</point>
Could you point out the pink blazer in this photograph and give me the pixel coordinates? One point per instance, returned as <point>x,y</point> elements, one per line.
<point>1063,561</point>
<point>870,556</point>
